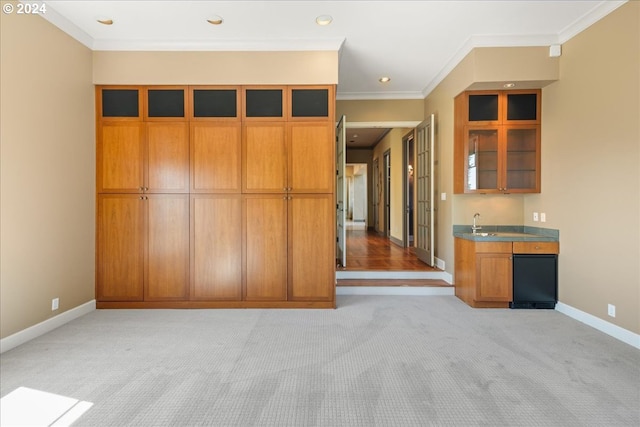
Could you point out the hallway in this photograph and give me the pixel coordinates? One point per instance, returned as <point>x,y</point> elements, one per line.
<point>368,251</point>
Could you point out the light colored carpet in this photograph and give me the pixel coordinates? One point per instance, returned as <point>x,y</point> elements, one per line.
<point>377,360</point>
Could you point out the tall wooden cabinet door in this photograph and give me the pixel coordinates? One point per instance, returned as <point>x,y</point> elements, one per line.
<point>312,247</point>
<point>494,277</point>
<point>120,248</point>
<point>265,237</point>
<point>167,254</point>
<point>311,157</point>
<point>216,247</point>
<point>120,157</point>
<point>264,158</point>
<point>167,157</point>
<point>215,157</point>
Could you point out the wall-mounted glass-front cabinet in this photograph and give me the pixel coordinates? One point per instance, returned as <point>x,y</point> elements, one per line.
<point>497,142</point>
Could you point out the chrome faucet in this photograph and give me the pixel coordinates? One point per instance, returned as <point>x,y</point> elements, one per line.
<point>475,227</point>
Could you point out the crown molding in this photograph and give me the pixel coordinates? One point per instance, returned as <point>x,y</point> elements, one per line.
<point>599,11</point>
<point>363,96</point>
<point>66,26</point>
<point>263,45</point>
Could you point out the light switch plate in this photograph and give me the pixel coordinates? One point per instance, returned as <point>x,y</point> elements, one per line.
<point>543,217</point>
<point>535,216</point>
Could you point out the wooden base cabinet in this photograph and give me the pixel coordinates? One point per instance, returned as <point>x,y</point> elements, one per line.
<point>265,245</point>
<point>216,247</point>
<point>484,270</point>
<point>483,273</point>
<point>286,258</point>
<point>311,254</point>
<point>143,247</point>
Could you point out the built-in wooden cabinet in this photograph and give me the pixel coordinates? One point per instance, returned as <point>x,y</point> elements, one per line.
<point>142,247</point>
<point>215,196</point>
<point>484,270</point>
<point>497,142</point>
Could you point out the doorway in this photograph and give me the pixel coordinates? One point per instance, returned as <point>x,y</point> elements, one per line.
<point>356,194</point>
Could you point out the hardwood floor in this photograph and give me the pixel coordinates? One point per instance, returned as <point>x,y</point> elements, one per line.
<point>367,251</point>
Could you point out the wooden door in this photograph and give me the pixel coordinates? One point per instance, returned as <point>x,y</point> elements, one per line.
<point>494,277</point>
<point>216,247</point>
<point>341,192</point>
<point>167,254</point>
<point>264,157</point>
<point>215,157</point>
<point>425,191</point>
<point>167,157</point>
<point>311,155</point>
<point>120,157</point>
<point>121,235</point>
<point>311,247</point>
<point>265,243</point>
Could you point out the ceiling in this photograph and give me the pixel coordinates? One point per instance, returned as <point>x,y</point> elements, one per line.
<point>415,43</point>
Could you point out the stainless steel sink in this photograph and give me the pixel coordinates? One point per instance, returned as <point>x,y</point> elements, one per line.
<point>505,234</point>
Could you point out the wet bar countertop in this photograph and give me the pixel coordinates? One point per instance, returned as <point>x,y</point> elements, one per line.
<point>507,233</point>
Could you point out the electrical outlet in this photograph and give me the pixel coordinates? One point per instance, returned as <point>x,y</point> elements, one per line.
<point>55,303</point>
<point>535,216</point>
<point>611,310</point>
<point>543,217</point>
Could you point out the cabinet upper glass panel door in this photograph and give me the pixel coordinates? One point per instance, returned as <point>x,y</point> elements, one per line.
<point>264,103</point>
<point>310,103</point>
<point>482,159</point>
<point>522,106</point>
<point>166,103</point>
<point>215,103</point>
<point>522,158</point>
<point>120,103</point>
<point>483,108</point>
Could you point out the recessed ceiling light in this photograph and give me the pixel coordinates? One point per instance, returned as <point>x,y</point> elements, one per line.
<point>355,135</point>
<point>105,21</point>
<point>324,20</point>
<point>509,85</point>
<point>215,20</point>
<point>384,79</point>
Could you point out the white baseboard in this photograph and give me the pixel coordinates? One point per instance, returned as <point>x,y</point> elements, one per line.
<point>440,264</point>
<point>48,325</point>
<point>394,290</point>
<point>615,331</point>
